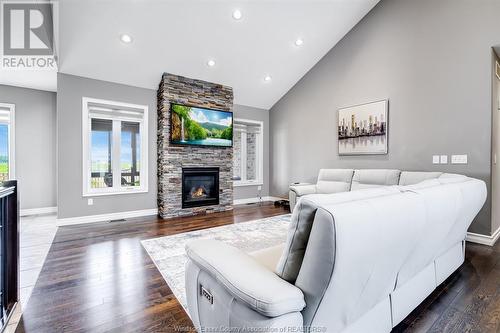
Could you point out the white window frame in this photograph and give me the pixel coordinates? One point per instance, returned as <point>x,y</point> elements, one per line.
<point>12,138</point>
<point>259,179</point>
<point>116,144</point>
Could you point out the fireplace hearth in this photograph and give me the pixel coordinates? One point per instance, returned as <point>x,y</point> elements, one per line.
<point>200,187</point>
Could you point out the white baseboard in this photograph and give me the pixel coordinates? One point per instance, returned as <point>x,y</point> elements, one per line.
<point>483,239</point>
<point>38,211</point>
<point>138,213</point>
<point>254,200</point>
<point>106,217</point>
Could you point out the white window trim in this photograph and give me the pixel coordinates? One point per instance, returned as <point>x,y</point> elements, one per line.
<point>86,135</point>
<point>260,155</point>
<point>12,138</point>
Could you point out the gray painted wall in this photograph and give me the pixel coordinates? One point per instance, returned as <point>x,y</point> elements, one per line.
<point>35,144</point>
<point>71,203</point>
<point>251,113</point>
<point>495,148</point>
<point>70,90</point>
<point>431,59</point>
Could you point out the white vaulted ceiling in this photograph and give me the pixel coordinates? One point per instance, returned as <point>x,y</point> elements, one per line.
<point>180,36</point>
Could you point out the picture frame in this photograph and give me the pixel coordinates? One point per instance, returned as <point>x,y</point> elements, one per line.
<point>363,129</point>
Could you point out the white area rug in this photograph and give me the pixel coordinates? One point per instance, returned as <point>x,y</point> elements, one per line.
<point>169,255</point>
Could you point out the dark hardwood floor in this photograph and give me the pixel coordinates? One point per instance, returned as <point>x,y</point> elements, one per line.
<point>98,278</point>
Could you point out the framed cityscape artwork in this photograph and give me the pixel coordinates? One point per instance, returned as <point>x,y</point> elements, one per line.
<point>363,129</point>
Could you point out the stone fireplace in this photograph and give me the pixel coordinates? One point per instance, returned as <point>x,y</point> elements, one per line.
<point>176,196</point>
<point>200,187</point>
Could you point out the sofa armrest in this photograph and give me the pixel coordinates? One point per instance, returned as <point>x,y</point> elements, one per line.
<point>301,190</point>
<point>246,279</point>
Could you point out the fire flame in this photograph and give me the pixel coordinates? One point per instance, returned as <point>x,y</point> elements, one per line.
<point>198,193</point>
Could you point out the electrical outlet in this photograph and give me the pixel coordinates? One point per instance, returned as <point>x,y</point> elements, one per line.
<point>435,159</point>
<point>458,159</point>
<point>443,159</point>
<point>90,201</point>
<point>259,188</point>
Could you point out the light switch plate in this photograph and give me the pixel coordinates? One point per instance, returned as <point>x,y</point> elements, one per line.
<point>443,159</point>
<point>435,159</point>
<point>90,201</point>
<point>458,159</point>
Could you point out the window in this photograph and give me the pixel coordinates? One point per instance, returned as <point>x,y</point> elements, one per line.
<point>247,152</point>
<point>7,160</point>
<point>115,147</point>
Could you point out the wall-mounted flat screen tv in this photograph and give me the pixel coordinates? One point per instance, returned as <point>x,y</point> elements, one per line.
<point>190,125</point>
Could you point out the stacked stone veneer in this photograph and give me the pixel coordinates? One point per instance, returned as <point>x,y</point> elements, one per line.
<point>251,152</point>
<point>237,154</point>
<point>251,155</point>
<point>172,158</point>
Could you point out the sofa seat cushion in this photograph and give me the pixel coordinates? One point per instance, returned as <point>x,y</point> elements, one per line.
<point>334,180</point>
<point>369,178</point>
<point>269,257</point>
<point>301,223</point>
<point>415,177</point>
<point>300,190</point>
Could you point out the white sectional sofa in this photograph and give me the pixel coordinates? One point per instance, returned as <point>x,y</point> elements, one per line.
<point>343,180</point>
<point>358,260</point>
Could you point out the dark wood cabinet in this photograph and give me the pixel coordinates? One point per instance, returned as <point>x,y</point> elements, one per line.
<point>9,250</point>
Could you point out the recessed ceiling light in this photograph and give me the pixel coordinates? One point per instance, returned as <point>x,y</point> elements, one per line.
<point>299,42</point>
<point>211,63</point>
<point>237,15</point>
<point>267,78</point>
<point>126,38</point>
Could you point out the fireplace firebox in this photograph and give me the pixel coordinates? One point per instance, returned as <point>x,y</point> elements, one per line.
<point>200,187</point>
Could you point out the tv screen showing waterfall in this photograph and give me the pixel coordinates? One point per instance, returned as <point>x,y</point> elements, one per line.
<point>190,125</point>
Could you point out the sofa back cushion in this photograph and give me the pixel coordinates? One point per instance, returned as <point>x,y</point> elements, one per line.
<point>443,179</point>
<point>334,180</point>
<point>351,265</point>
<point>302,219</point>
<point>353,255</point>
<point>450,208</point>
<point>368,178</point>
<point>418,186</point>
<point>415,177</point>
<point>452,178</point>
